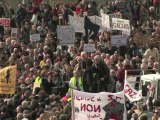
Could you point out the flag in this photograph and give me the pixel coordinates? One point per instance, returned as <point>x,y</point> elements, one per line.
<point>91,29</point>
<point>98,106</point>
<point>8,80</point>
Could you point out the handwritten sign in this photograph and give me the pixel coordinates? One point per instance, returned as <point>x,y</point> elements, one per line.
<point>121,24</point>
<point>35,37</point>
<point>119,40</point>
<point>89,47</point>
<point>14,33</point>
<point>77,23</point>
<point>66,35</point>
<point>99,106</point>
<point>132,94</point>
<point>8,80</point>
<point>5,22</point>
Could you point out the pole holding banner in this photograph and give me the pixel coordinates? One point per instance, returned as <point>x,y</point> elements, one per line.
<point>72,103</point>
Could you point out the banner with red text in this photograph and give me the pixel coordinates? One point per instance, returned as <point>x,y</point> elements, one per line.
<point>131,93</point>
<point>5,22</point>
<point>98,106</point>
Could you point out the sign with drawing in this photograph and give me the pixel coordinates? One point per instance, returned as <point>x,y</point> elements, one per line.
<point>66,35</point>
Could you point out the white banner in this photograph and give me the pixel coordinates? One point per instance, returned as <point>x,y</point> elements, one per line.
<point>35,37</point>
<point>132,94</point>
<point>98,106</point>
<point>121,24</point>
<point>89,47</point>
<point>119,40</point>
<point>105,21</point>
<point>13,32</point>
<point>66,35</point>
<point>77,23</point>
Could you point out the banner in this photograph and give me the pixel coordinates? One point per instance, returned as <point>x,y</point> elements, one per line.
<point>121,24</point>
<point>89,47</point>
<point>77,23</point>
<point>132,94</point>
<point>5,22</point>
<point>13,32</point>
<point>98,106</point>
<point>8,80</point>
<point>66,35</point>
<point>119,40</point>
<point>115,15</point>
<point>35,37</point>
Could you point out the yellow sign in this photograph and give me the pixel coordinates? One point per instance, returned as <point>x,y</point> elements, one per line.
<point>8,80</point>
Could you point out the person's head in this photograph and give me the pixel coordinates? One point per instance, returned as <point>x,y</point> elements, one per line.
<point>103,56</point>
<point>76,74</point>
<point>143,117</point>
<point>151,46</point>
<point>26,66</point>
<point>19,109</point>
<point>4,109</point>
<point>84,55</point>
<point>112,72</point>
<point>144,66</point>
<point>19,116</point>
<point>157,112</point>
<point>126,62</point>
<point>97,59</point>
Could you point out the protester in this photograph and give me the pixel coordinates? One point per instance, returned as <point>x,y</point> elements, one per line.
<point>48,71</point>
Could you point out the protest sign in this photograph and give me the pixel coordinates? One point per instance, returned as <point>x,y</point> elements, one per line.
<point>132,94</point>
<point>8,80</point>
<point>35,37</point>
<point>77,23</point>
<point>105,21</point>
<point>98,106</point>
<point>121,24</point>
<point>115,15</point>
<point>5,22</point>
<point>89,47</point>
<point>66,35</point>
<point>119,40</point>
<point>14,33</point>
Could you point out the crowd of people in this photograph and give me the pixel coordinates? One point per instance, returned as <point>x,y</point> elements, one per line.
<point>58,69</point>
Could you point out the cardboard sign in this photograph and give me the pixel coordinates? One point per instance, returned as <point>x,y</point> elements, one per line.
<point>89,47</point>
<point>35,37</point>
<point>121,24</point>
<point>98,106</point>
<point>66,35</point>
<point>77,23</point>
<point>14,33</point>
<point>119,40</point>
<point>5,22</point>
<point>105,21</point>
<point>8,80</point>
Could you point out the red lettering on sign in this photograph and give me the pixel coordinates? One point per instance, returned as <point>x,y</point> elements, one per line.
<point>5,22</point>
<point>90,108</point>
<point>129,91</point>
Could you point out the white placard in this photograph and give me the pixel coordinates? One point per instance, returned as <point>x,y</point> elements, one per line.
<point>121,24</point>
<point>119,40</point>
<point>115,15</point>
<point>105,21</point>
<point>13,32</point>
<point>66,35</point>
<point>77,23</point>
<point>35,37</point>
<point>89,47</point>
